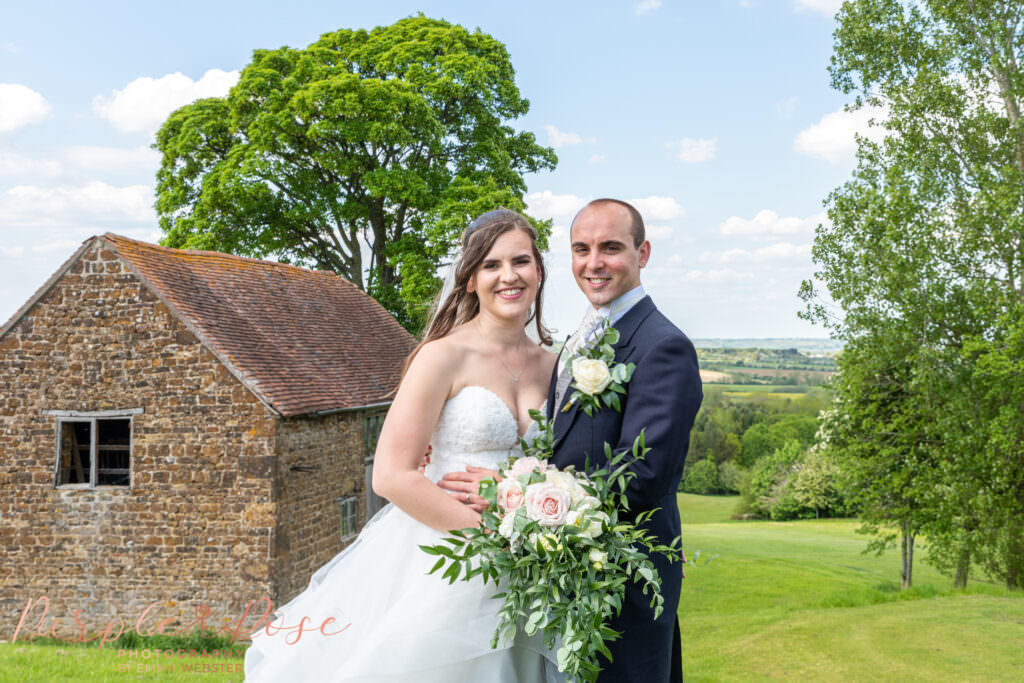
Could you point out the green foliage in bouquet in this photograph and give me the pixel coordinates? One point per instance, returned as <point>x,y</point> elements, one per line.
<point>564,580</point>
<point>597,378</point>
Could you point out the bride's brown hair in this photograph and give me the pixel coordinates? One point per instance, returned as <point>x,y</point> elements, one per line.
<point>461,306</point>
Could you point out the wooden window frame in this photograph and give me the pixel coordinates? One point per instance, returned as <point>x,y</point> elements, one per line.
<point>349,508</point>
<point>91,418</point>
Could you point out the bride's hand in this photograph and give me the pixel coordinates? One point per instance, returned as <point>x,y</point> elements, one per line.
<point>464,485</point>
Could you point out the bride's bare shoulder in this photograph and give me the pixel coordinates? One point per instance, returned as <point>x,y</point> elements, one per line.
<point>443,355</point>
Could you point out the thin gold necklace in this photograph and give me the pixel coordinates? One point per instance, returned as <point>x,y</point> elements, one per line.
<point>515,377</point>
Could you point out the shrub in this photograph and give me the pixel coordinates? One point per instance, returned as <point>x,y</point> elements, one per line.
<point>731,477</point>
<point>701,478</point>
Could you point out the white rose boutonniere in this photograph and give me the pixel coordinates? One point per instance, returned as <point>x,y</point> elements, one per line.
<point>597,378</point>
<point>592,376</point>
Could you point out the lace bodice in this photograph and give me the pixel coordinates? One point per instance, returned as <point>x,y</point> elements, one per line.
<point>476,428</point>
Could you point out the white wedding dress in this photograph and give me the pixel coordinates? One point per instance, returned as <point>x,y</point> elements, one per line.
<point>406,625</point>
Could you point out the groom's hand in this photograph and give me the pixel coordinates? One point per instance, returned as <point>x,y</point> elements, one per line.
<point>464,485</point>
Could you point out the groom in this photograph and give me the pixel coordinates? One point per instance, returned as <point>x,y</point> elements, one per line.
<point>609,249</point>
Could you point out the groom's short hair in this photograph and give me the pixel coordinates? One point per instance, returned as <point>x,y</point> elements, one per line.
<point>636,221</point>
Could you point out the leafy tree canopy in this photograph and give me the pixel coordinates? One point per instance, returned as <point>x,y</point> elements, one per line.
<point>365,153</point>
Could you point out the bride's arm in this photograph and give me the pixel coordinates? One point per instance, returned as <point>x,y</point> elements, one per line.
<point>404,439</point>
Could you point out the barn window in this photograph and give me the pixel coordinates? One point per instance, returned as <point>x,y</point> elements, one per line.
<point>349,516</point>
<point>94,449</point>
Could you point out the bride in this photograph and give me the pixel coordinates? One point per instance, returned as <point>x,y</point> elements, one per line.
<point>467,392</point>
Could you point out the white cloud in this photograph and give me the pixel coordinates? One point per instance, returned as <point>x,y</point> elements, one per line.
<point>658,208</point>
<point>694,150</point>
<point>558,240</point>
<point>144,103</point>
<point>547,204</point>
<point>832,138</point>
<point>14,164</point>
<point>12,48</point>
<point>93,206</point>
<point>557,138</point>
<point>767,223</point>
<point>596,159</point>
<point>746,3</point>
<point>113,158</point>
<point>645,6</point>
<point>658,232</point>
<point>12,252</point>
<point>21,106</point>
<point>675,259</point>
<point>719,275</point>
<point>781,251</point>
<point>826,7</point>
<point>56,245</point>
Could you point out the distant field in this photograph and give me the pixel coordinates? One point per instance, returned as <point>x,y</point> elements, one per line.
<point>820,375</point>
<point>714,377</point>
<point>799,601</point>
<point>762,391</point>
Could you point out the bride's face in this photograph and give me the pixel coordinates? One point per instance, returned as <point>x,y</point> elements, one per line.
<point>506,280</point>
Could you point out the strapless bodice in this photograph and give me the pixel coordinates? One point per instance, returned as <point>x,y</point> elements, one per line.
<point>475,428</point>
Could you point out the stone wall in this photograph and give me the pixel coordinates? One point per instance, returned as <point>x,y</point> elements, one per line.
<point>308,533</point>
<point>194,526</point>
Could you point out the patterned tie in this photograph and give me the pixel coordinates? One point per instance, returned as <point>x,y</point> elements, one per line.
<point>591,321</point>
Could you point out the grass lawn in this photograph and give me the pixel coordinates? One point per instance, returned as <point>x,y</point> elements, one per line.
<point>798,601</point>
<point>38,663</point>
<point>793,601</point>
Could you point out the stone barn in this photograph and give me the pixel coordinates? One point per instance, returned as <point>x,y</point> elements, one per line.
<point>184,427</point>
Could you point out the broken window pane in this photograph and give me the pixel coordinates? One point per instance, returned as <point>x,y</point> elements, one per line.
<point>113,443</point>
<point>75,441</point>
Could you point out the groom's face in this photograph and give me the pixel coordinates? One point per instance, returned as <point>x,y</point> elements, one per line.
<point>605,261</point>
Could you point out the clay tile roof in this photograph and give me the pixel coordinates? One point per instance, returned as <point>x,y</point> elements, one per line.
<point>305,341</point>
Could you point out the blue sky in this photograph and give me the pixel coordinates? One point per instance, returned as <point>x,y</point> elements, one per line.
<point>716,117</point>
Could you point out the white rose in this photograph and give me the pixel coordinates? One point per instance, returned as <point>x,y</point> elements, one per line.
<point>526,465</point>
<point>547,504</point>
<point>588,524</point>
<point>508,526</point>
<point>588,502</point>
<point>591,375</point>
<point>579,494</point>
<point>598,558</point>
<point>573,518</point>
<point>510,494</point>
<point>593,524</point>
<point>562,480</point>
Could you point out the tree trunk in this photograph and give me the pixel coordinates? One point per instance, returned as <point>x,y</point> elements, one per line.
<point>1015,561</point>
<point>963,567</point>
<point>907,558</point>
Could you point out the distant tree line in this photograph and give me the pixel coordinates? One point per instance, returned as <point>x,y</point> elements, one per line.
<point>764,448</point>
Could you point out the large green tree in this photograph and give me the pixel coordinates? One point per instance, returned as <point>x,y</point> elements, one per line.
<point>925,257</point>
<point>365,153</point>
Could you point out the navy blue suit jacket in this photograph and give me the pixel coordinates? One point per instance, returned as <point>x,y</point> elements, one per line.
<point>662,399</point>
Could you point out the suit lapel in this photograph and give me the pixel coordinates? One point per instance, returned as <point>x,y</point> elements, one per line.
<point>551,408</point>
<point>630,323</point>
<point>627,327</point>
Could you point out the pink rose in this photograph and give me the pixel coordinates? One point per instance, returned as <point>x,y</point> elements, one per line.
<point>510,494</point>
<point>527,465</point>
<point>547,504</point>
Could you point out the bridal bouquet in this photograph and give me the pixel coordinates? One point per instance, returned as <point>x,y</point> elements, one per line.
<point>554,538</point>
